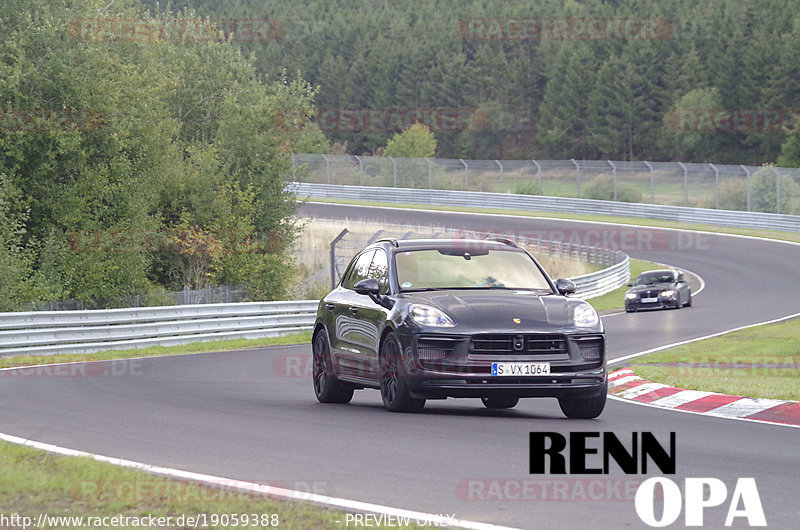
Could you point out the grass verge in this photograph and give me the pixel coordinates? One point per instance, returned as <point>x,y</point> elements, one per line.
<point>638,221</point>
<point>760,362</point>
<point>36,482</point>
<point>155,351</point>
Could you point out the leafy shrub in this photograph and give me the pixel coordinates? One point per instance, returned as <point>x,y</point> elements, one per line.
<point>602,188</point>
<point>527,188</point>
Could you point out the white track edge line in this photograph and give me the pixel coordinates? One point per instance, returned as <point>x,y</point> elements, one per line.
<point>753,420</point>
<point>253,487</point>
<point>689,341</point>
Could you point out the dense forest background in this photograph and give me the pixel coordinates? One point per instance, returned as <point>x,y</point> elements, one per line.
<point>582,99</point>
<point>136,166</point>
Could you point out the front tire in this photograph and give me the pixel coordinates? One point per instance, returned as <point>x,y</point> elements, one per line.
<point>394,387</point>
<point>502,402</point>
<point>689,301</point>
<point>327,387</point>
<point>583,408</point>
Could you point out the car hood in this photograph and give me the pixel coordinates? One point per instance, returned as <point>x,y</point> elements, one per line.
<point>496,310</point>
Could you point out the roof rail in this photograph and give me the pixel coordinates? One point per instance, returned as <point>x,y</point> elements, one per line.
<point>503,240</point>
<point>391,240</point>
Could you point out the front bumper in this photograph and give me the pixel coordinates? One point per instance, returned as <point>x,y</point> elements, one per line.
<point>638,305</point>
<point>464,373</point>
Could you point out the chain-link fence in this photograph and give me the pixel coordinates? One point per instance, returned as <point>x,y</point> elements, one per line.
<point>745,188</point>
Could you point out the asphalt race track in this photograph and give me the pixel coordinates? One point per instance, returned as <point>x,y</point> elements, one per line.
<point>251,415</point>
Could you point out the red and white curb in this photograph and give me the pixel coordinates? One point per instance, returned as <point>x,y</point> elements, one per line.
<point>625,384</point>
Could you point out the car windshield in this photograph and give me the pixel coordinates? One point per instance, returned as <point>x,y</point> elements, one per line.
<point>455,268</point>
<point>650,278</point>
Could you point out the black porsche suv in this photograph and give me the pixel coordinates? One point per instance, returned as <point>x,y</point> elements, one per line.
<point>431,319</point>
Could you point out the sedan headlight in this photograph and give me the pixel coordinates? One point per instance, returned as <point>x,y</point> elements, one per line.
<point>631,296</point>
<point>669,293</point>
<point>586,316</point>
<point>430,316</point>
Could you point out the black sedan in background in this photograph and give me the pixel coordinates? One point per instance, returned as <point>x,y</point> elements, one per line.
<point>432,319</point>
<point>658,290</point>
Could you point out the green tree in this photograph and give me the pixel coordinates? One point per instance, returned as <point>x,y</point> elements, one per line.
<point>416,141</point>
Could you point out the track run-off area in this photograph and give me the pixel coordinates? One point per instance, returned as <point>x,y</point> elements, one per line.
<point>252,415</point>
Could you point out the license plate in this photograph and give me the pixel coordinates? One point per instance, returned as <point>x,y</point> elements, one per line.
<point>649,300</point>
<point>520,369</point>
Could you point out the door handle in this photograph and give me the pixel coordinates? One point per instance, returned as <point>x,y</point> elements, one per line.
<point>354,310</point>
<point>331,306</point>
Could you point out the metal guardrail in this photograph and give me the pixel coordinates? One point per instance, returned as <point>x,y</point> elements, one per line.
<point>50,332</point>
<point>770,221</point>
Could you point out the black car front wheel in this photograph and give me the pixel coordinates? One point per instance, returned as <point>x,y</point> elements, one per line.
<point>502,402</point>
<point>327,387</point>
<point>394,388</point>
<point>583,408</point>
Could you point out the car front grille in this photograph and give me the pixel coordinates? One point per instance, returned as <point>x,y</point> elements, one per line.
<point>522,344</point>
<point>650,294</point>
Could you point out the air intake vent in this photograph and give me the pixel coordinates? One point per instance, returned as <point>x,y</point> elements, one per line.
<point>434,349</point>
<point>591,348</point>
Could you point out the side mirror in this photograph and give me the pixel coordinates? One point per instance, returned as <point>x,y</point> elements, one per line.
<point>368,286</point>
<point>630,285</point>
<point>564,286</point>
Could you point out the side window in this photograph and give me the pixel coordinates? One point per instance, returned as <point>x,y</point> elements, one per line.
<point>359,270</point>
<point>380,270</point>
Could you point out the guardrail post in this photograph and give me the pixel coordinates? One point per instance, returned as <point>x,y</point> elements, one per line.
<point>360,170</point>
<point>538,175</point>
<point>777,189</point>
<point>327,168</point>
<point>614,173</point>
<point>652,185</point>
<point>747,173</point>
<point>577,176</point>
<point>333,256</point>
<point>716,185</point>
<point>430,173</point>
<point>465,172</point>
<point>394,164</point>
<point>685,183</point>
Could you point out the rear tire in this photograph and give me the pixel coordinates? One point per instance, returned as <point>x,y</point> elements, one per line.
<point>327,387</point>
<point>583,408</point>
<point>502,402</point>
<point>394,387</point>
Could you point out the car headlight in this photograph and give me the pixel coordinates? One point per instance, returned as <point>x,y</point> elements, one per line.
<point>631,296</point>
<point>429,316</point>
<point>585,316</point>
<point>669,293</point>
